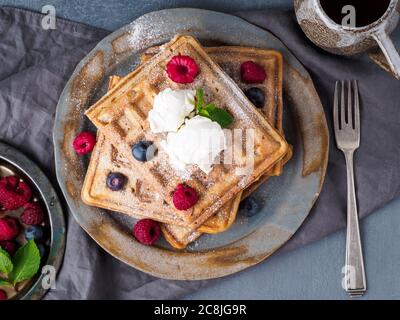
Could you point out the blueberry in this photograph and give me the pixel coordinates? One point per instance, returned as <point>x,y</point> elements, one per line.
<point>144,151</point>
<point>42,249</point>
<point>249,206</point>
<point>34,233</point>
<point>116,181</point>
<point>256,96</point>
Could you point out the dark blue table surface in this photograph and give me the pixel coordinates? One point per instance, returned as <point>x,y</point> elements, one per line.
<point>115,13</point>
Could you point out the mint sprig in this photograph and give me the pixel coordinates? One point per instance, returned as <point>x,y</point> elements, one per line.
<point>6,264</point>
<point>24,265</point>
<point>5,283</point>
<point>199,100</point>
<point>211,111</point>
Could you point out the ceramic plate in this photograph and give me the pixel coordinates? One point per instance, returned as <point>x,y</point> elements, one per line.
<point>286,200</point>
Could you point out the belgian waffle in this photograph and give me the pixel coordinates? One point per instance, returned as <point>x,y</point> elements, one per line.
<point>137,199</point>
<point>179,237</point>
<point>230,58</point>
<point>121,115</point>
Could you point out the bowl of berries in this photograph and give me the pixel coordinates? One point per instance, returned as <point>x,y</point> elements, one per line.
<point>32,228</point>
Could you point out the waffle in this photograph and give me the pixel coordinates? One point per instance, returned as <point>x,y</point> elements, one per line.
<point>95,193</point>
<point>179,237</point>
<point>230,58</point>
<point>121,115</point>
<point>143,201</point>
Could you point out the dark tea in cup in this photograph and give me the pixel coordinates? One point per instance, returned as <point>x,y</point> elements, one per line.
<point>366,11</point>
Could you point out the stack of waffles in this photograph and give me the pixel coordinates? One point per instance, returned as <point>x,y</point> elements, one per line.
<point>121,117</point>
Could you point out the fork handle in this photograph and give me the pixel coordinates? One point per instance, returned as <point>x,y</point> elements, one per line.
<point>355,281</point>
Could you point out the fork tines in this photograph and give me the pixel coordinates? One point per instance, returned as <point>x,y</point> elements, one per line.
<point>346,116</point>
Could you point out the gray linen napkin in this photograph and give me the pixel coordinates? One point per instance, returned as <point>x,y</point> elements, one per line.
<point>35,65</point>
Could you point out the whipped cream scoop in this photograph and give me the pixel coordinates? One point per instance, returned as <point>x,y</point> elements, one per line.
<point>199,141</point>
<point>170,108</point>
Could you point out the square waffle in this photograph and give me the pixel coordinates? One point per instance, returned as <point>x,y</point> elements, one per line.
<point>178,236</point>
<point>137,199</point>
<point>122,116</point>
<point>230,58</point>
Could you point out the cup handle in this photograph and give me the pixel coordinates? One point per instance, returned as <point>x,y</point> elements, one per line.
<point>389,51</point>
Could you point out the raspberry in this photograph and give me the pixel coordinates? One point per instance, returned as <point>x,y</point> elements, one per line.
<point>147,231</point>
<point>3,295</point>
<point>252,72</point>
<point>184,197</point>
<point>9,182</point>
<point>9,246</point>
<point>9,228</point>
<point>182,69</point>
<point>14,193</point>
<point>84,142</point>
<point>32,215</point>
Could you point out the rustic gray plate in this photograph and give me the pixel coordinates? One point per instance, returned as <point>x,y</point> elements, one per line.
<point>286,200</point>
<point>14,162</point>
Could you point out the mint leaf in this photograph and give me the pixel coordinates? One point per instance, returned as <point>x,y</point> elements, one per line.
<point>211,111</point>
<point>5,283</point>
<point>6,265</point>
<point>210,107</point>
<point>26,262</point>
<point>204,113</point>
<point>221,116</point>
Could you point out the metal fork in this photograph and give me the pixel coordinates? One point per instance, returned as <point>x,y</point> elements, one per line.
<point>347,132</point>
